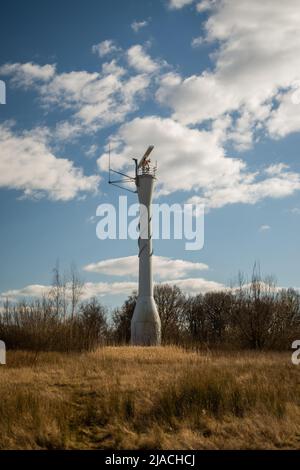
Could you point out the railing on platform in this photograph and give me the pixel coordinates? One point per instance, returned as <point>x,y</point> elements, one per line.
<point>147,169</point>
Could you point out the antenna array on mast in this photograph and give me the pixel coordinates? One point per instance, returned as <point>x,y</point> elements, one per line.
<point>118,183</point>
<point>140,168</point>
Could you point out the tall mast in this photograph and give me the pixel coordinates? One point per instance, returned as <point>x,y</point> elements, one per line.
<point>145,323</point>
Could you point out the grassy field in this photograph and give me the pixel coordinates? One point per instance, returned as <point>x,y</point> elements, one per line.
<point>141,398</point>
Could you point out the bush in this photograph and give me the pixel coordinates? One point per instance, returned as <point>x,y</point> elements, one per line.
<point>37,326</point>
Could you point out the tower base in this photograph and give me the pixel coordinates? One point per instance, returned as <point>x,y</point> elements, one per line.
<point>145,323</point>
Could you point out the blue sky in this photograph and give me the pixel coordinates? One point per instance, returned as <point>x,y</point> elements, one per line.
<point>213,84</point>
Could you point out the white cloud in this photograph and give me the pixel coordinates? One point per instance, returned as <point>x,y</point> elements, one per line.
<point>205,5</point>
<point>276,169</point>
<point>104,48</point>
<point>140,60</point>
<point>195,155</point>
<point>235,101</point>
<point>256,60</point>
<point>94,289</point>
<point>94,99</point>
<point>250,190</point>
<point>164,268</point>
<point>113,100</point>
<point>264,228</point>
<point>196,42</point>
<point>69,88</point>
<point>199,158</point>
<point>91,151</point>
<point>27,74</point>
<point>177,4</point>
<point>69,130</point>
<point>196,285</point>
<point>192,286</point>
<point>90,289</point>
<point>28,164</point>
<point>101,289</point>
<point>137,25</point>
<point>285,119</point>
<point>241,134</point>
<point>33,290</point>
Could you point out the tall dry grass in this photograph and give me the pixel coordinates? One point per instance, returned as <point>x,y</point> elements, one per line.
<point>133,398</point>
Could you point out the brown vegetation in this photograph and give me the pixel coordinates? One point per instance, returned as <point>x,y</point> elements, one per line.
<point>222,387</point>
<point>137,398</point>
<point>254,315</point>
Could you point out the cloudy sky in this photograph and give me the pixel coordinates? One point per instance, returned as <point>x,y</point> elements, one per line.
<point>213,84</point>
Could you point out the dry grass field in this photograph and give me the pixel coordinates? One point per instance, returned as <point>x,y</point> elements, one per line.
<point>141,398</point>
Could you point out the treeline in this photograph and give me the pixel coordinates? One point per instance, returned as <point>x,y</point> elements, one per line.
<point>58,321</point>
<point>253,315</point>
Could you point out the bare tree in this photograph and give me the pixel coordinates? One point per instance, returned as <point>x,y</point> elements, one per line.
<point>76,288</point>
<point>254,310</point>
<point>170,303</point>
<point>93,323</point>
<point>57,290</point>
<point>218,308</point>
<point>121,319</point>
<point>195,319</point>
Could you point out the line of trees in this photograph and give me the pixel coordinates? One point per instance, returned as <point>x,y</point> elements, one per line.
<point>58,321</point>
<point>253,315</point>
